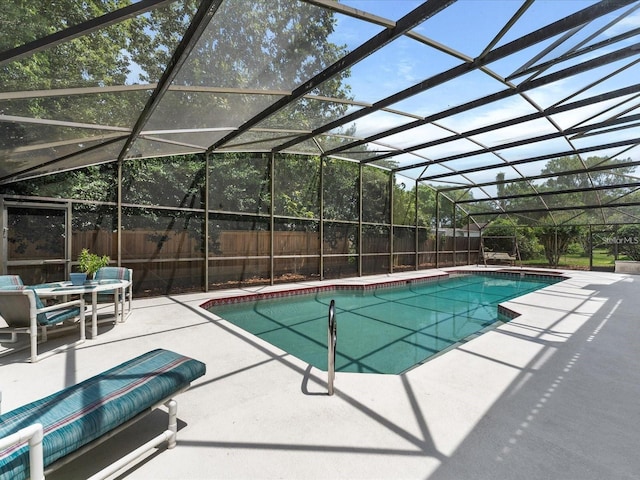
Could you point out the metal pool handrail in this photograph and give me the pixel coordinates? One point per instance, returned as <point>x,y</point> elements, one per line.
<point>332,340</point>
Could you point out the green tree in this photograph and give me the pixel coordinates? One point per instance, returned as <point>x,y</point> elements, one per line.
<point>630,241</point>
<point>404,204</point>
<point>426,206</point>
<point>375,195</point>
<point>89,60</point>
<point>98,59</point>
<point>264,46</point>
<point>570,163</point>
<point>556,240</point>
<point>297,186</point>
<point>259,46</point>
<point>450,214</point>
<point>508,237</point>
<point>175,181</point>
<point>96,183</point>
<point>240,183</point>
<point>341,186</point>
<point>562,188</point>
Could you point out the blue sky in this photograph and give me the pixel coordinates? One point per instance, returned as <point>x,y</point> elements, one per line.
<point>467,26</point>
<point>460,26</point>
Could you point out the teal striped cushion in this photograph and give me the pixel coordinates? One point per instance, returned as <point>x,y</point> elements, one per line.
<point>110,274</point>
<point>81,413</point>
<point>57,316</point>
<point>10,281</point>
<point>54,316</point>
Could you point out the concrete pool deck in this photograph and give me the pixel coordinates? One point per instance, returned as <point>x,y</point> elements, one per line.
<point>552,394</point>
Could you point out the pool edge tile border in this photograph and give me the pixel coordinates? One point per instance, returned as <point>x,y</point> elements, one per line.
<point>337,286</point>
<point>374,285</point>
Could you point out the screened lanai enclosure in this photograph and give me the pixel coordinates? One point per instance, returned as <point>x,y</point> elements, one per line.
<point>208,144</point>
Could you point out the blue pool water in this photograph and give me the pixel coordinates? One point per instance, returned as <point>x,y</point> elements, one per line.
<point>387,330</point>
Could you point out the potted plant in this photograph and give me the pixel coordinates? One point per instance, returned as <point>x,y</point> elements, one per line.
<point>88,264</point>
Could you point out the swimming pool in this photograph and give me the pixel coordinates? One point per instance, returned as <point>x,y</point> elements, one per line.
<point>386,329</point>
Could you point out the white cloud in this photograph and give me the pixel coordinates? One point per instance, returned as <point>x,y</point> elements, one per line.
<point>628,23</point>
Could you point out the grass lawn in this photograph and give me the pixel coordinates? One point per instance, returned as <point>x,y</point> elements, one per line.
<point>601,258</point>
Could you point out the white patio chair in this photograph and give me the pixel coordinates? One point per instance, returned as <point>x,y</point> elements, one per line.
<point>106,274</point>
<point>23,311</point>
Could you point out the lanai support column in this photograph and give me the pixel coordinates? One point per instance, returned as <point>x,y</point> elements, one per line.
<point>119,214</point>
<point>468,240</point>
<point>272,222</point>
<point>454,239</point>
<point>207,158</point>
<point>392,179</point>
<point>321,226</point>
<point>417,231</point>
<point>590,247</point>
<point>360,190</point>
<point>437,240</point>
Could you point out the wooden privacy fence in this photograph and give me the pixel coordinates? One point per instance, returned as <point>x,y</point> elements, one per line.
<point>143,244</point>
<point>174,261</point>
<point>258,243</point>
<point>140,244</point>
